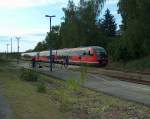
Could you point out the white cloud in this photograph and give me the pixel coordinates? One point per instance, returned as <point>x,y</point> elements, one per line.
<point>22,31</point>
<point>29,37</point>
<point>28,3</point>
<point>114,12</point>
<point>9,4</point>
<point>111,2</point>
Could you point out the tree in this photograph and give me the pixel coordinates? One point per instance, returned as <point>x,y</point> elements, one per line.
<point>108,24</point>
<point>88,18</point>
<point>29,50</point>
<point>80,24</point>
<point>53,38</point>
<point>136,27</point>
<point>79,27</point>
<point>41,46</point>
<point>69,30</point>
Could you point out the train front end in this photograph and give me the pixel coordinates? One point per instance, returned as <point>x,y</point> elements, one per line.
<point>101,56</point>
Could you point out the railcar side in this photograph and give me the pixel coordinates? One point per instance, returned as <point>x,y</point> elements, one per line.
<point>93,55</point>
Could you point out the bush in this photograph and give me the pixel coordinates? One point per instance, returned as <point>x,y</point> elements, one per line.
<point>119,51</point>
<point>29,75</point>
<point>83,73</point>
<point>41,88</point>
<point>73,84</point>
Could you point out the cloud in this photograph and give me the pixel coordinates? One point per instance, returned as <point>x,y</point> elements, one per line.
<point>29,3</point>
<point>115,12</point>
<point>111,2</point>
<point>27,41</point>
<point>9,4</point>
<point>22,31</point>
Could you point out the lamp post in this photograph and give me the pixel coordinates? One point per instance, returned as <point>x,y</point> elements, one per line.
<point>50,48</point>
<point>18,40</point>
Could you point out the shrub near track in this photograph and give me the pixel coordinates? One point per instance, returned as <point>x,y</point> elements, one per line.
<point>29,75</point>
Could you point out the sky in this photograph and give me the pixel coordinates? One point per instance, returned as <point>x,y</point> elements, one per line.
<point>26,19</point>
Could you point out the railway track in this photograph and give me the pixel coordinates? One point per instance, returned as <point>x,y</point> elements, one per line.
<point>138,81</point>
<point>134,77</point>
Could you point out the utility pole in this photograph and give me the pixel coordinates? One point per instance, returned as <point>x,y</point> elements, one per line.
<point>50,48</point>
<point>7,50</point>
<point>18,40</point>
<point>11,45</point>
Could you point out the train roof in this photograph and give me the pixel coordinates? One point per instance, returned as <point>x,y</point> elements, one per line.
<point>65,49</point>
<point>85,47</point>
<point>30,53</point>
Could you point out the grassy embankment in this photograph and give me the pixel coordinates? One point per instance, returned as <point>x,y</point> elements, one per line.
<point>141,65</point>
<point>63,100</point>
<point>24,101</point>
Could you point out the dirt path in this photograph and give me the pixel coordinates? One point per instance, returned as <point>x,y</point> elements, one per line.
<point>5,112</point>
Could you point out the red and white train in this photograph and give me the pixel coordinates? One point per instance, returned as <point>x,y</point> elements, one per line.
<point>92,55</point>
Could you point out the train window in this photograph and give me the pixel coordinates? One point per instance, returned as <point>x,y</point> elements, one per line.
<point>78,52</point>
<point>84,53</point>
<point>53,52</point>
<point>81,52</point>
<point>87,53</point>
<point>100,50</point>
<point>68,53</point>
<point>45,53</point>
<point>75,52</point>
<point>59,52</point>
<point>90,53</point>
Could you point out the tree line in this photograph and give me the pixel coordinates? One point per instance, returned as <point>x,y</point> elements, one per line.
<point>83,26</point>
<point>134,42</point>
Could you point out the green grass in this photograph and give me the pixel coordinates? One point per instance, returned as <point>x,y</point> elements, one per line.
<point>24,100</point>
<point>62,101</point>
<point>85,103</point>
<point>94,105</point>
<point>142,65</point>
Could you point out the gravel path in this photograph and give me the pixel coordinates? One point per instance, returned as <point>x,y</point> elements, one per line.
<point>5,112</point>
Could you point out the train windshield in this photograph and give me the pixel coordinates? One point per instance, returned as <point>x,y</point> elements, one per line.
<point>100,52</point>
